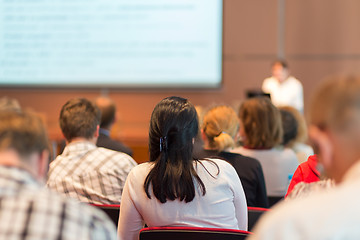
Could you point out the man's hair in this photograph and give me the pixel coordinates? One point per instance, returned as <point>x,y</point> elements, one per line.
<point>336,103</point>
<point>79,118</point>
<point>23,132</point>
<point>108,110</point>
<point>282,62</point>
<point>220,126</point>
<point>261,122</point>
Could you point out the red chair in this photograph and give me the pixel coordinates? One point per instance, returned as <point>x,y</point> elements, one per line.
<point>191,233</point>
<point>112,210</point>
<point>254,213</point>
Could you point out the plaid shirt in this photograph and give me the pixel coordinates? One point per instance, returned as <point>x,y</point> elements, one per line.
<point>30,211</point>
<point>89,173</point>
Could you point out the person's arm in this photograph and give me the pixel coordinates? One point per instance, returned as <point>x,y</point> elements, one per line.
<point>239,201</point>
<point>130,220</point>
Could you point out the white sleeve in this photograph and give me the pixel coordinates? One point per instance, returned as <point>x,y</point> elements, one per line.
<point>130,220</point>
<point>239,201</point>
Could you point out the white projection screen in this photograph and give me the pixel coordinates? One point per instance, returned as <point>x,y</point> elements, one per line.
<point>111,43</point>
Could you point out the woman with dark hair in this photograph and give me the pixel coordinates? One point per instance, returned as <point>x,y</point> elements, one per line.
<point>173,189</point>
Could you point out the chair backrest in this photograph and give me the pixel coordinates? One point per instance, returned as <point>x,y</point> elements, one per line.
<point>112,210</point>
<point>254,213</point>
<point>191,233</point>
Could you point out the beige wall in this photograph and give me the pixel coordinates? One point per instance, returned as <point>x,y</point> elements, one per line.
<point>321,38</point>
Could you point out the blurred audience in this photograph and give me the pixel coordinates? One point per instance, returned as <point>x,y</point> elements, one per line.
<point>9,104</point>
<point>83,171</point>
<point>335,131</point>
<point>173,189</point>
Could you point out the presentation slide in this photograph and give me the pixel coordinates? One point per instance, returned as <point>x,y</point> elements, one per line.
<point>111,43</point>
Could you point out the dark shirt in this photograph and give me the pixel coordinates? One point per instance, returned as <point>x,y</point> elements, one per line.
<point>105,141</point>
<point>250,173</point>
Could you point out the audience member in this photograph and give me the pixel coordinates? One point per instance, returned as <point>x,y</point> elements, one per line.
<point>28,210</point>
<point>284,89</point>
<point>219,130</point>
<point>298,143</point>
<point>173,189</point>
<point>84,171</point>
<point>335,131</point>
<point>108,117</point>
<point>261,133</point>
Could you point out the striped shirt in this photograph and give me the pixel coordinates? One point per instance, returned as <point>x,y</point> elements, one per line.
<point>30,211</point>
<point>89,173</point>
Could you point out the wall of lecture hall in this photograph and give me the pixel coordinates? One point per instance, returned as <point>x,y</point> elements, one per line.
<point>320,38</point>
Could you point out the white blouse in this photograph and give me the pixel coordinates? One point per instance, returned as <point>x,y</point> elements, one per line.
<point>223,205</point>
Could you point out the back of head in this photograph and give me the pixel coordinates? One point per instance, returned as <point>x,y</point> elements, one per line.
<point>290,127</point>
<point>220,126</point>
<point>79,118</point>
<point>108,110</point>
<point>335,129</point>
<point>173,126</point>
<point>23,132</point>
<point>301,134</point>
<point>174,120</point>
<point>261,123</point>
<point>336,104</point>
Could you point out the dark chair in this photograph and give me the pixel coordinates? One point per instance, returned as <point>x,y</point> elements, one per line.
<point>191,233</point>
<point>254,213</point>
<point>112,210</point>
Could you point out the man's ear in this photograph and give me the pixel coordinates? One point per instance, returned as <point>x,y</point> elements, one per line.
<point>322,145</point>
<point>203,135</point>
<point>96,133</point>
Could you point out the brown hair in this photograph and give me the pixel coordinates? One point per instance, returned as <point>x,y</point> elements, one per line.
<point>261,123</point>
<point>22,131</point>
<point>79,118</point>
<point>220,126</point>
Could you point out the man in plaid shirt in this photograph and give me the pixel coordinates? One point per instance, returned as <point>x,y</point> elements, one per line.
<point>28,210</point>
<point>84,171</point>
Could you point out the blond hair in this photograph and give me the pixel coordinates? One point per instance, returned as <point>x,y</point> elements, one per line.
<point>220,126</point>
<point>261,123</point>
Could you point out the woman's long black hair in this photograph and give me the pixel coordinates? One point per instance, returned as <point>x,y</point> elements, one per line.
<point>173,126</point>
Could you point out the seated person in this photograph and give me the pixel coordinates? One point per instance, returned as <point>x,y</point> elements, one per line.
<point>108,111</point>
<point>83,171</point>
<point>298,138</point>
<point>219,131</point>
<point>261,133</point>
<point>173,189</point>
<point>334,116</point>
<point>28,210</point>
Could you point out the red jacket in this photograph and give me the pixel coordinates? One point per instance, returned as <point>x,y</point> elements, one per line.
<point>306,172</point>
